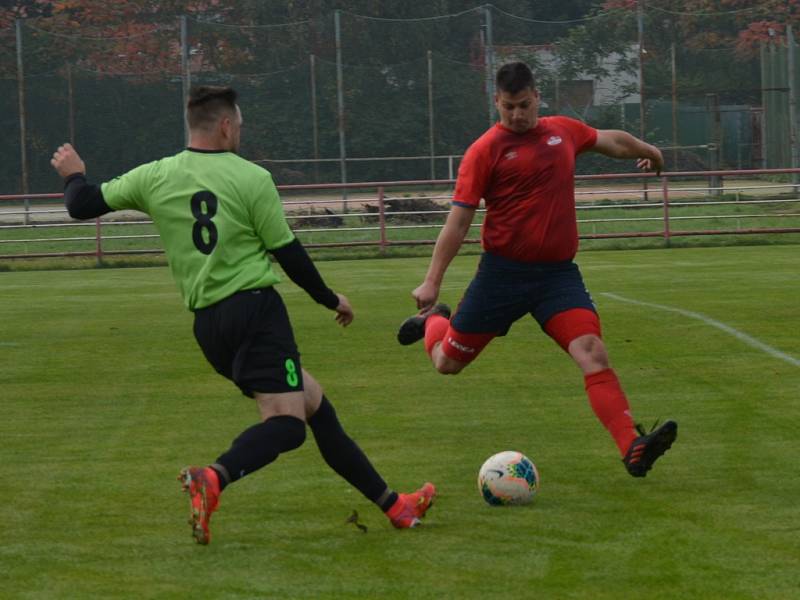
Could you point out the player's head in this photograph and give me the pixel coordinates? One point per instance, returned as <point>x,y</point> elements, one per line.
<point>212,113</point>
<point>516,97</point>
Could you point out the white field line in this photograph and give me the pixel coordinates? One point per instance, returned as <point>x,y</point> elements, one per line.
<point>750,341</point>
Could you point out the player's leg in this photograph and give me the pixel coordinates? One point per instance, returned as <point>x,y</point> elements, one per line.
<point>432,326</point>
<point>567,314</point>
<point>282,429</point>
<point>414,327</point>
<point>456,349</point>
<point>346,458</point>
<point>577,331</point>
<point>248,338</point>
<point>488,308</point>
<point>639,450</point>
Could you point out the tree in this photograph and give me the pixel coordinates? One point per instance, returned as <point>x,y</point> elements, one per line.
<point>125,65</point>
<point>716,40</point>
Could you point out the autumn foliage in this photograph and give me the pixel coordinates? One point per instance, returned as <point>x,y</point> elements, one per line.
<point>743,24</point>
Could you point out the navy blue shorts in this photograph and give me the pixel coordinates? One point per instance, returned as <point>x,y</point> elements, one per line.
<point>247,337</point>
<point>505,290</point>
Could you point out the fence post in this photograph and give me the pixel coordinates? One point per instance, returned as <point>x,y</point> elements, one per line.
<point>642,107</point>
<point>23,136</point>
<point>431,141</point>
<point>488,53</point>
<point>340,106</point>
<point>312,67</point>
<point>71,104</point>
<point>674,108</point>
<point>382,220</point>
<point>715,147</point>
<point>186,74</point>
<point>98,236</point>
<point>715,184</point>
<point>665,197</point>
<point>791,48</point>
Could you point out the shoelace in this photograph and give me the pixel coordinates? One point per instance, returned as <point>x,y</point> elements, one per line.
<point>640,428</point>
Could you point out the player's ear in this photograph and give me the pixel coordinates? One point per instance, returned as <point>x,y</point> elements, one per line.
<point>225,126</point>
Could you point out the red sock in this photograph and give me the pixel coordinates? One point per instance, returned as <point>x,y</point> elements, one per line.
<point>435,328</point>
<point>611,407</point>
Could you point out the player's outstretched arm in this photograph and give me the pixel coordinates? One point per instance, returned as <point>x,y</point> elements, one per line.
<point>621,144</point>
<point>297,264</point>
<point>66,161</point>
<point>447,246</point>
<point>82,199</point>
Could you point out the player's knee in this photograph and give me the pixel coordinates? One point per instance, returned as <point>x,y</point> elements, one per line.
<point>288,432</point>
<point>300,438</point>
<point>294,434</point>
<point>446,365</point>
<point>589,352</point>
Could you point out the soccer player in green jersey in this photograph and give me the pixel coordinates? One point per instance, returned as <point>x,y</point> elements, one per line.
<point>218,215</point>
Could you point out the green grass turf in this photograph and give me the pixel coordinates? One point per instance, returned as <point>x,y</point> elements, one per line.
<point>105,397</point>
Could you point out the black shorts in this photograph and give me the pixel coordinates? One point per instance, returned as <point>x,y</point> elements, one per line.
<point>248,338</point>
<point>505,290</point>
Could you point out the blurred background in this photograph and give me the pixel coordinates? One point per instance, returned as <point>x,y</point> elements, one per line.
<point>367,90</point>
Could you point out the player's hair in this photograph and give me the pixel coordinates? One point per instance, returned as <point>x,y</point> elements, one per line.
<point>515,77</point>
<point>207,103</point>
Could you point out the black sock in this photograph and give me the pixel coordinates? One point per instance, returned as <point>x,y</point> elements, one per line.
<point>260,445</point>
<point>388,503</point>
<point>345,457</point>
<point>222,476</point>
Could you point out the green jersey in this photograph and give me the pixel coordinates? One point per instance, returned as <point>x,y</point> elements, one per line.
<point>217,215</point>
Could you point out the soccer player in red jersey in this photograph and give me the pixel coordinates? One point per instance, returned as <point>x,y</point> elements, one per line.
<point>523,168</point>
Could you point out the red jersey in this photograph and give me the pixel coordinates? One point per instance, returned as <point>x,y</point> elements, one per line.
<point>527,182</point>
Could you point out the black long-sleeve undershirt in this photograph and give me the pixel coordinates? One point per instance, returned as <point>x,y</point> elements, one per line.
<point>297,264</point>
<point>84,200</point>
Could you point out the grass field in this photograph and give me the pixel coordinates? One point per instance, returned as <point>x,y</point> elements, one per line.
<point>105,397</point>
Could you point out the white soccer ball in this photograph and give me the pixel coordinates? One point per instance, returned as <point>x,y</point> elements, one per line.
<point>508,478</point>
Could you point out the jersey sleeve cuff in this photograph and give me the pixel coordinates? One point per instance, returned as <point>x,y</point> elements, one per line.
<point>463,204</point>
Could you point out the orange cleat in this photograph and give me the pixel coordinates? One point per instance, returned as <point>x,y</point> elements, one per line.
<point>410,508</point>
<point>202,485</point>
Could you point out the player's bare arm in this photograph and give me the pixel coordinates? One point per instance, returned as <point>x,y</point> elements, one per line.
<point>621,144</point>
<point>447,246</point>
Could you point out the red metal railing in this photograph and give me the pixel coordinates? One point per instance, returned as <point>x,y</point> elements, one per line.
<point>669,188</point>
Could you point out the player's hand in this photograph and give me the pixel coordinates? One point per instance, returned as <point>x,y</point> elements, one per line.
<point>426,295</point>
<point>344,312</point>
<point>654,163</point>
<point>67,162</point>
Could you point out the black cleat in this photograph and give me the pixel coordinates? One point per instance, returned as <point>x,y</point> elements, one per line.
<point>646,449</point>
<point>413,328</point>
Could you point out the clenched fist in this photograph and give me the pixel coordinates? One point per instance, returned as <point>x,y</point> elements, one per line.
<point>67,162</point>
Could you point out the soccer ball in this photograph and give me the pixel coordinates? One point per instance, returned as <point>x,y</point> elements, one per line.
<point>508,478</point>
